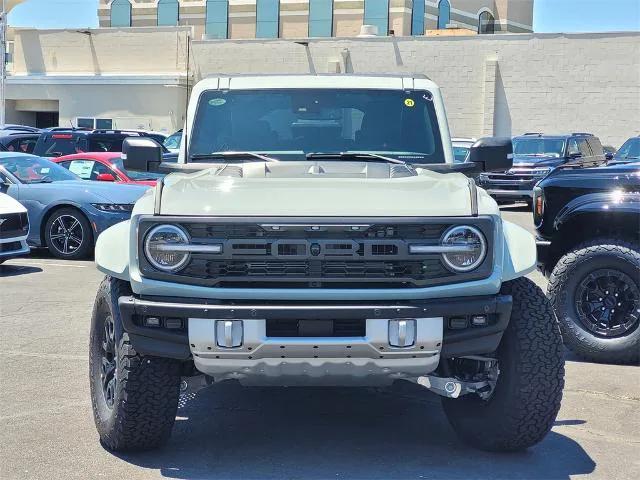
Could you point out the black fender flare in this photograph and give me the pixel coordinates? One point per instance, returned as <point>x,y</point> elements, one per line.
<point>616,201</point>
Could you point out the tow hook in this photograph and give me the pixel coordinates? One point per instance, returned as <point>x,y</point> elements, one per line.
<point>192,385</point>
<point>453,388</point>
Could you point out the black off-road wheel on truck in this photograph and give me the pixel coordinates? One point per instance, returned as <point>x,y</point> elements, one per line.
<point>134,397</point>
<point>526,399</point>
<point>595,290</point>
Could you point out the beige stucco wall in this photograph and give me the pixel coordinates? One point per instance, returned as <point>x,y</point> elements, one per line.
<point>100,51</point>
<point>135,76</point>
<point>155,107</point>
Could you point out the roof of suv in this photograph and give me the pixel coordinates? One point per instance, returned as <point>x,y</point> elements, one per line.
<point>561,135</point>
<point>339,81</point>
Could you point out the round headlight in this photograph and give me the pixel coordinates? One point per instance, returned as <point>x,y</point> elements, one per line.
<point>158,247</point>
<point>473,248</point>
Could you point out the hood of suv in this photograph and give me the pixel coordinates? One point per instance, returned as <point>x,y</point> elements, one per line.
<point>207,193</point>
<point>524,161</point>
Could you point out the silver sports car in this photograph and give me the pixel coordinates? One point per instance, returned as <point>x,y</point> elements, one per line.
<point>66,213</point>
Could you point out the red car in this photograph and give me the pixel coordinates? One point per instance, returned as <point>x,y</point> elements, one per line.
<point>104,167</point>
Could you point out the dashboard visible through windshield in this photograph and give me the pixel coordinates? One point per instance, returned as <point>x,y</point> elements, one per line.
<point>288,124</point>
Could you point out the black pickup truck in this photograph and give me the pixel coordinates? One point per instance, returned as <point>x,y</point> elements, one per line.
<point>588,226</point>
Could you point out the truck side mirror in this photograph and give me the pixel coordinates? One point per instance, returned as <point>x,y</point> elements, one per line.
<point>492,154</point>
<point>141,154</point>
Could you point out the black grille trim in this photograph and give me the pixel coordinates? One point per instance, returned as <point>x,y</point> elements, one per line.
<point>317,252</point>
<point>14,225</point>
<point>339,328</point>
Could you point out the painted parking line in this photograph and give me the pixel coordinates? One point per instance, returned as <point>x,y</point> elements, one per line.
<point>45,264</point>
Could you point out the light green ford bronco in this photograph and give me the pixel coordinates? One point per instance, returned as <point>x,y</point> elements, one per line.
<point>316,231</point>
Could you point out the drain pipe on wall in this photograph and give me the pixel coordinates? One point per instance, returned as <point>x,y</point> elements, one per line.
<point>346,59</point>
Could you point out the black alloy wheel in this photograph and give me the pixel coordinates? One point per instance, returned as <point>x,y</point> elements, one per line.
<point>108,369</point>
<point>607,302</point>
<point>68,234</point>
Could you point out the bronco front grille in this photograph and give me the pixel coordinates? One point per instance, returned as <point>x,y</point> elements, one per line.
<point>321,253</point>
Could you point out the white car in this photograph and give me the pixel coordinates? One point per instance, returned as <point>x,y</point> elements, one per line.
<point>14,228</point>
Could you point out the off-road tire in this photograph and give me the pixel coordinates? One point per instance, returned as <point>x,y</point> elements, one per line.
<point>146,388</point>
<point>566,276</point>
<point>526,400</point>
<point>85,248</point>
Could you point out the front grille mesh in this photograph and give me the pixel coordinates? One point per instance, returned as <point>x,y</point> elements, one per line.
<point>13,225</point>
<point>316,256</point>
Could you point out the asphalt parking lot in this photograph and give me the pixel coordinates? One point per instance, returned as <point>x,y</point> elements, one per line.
<point>230,432</point>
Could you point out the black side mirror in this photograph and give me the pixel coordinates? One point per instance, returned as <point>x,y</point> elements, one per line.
<point>492,154</point>
<point>141,154</point>
<point>575,155</point>
<point>608,156</point>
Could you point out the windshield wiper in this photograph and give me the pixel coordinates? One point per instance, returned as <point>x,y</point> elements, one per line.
<point>250,156</point>
<point>366,157</point>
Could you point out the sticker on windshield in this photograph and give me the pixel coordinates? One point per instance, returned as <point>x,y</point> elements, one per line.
<point>217,102</point>
<point>409,102</point>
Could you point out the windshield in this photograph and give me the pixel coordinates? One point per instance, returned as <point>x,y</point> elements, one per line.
<point>288,123</point>
<point>173,141</point>
<point>135,175</point>
<point>460,154</point>
<point>36,170</point>
<point>630,150</point>
<point>539,147</point>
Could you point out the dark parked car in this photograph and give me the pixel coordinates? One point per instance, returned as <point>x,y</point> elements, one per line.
<point>18,128</point>
<point>629,152</point>
<point>58,142</point>
<point>588,224</point>
<point>535,155</point>
<point>17,141</point>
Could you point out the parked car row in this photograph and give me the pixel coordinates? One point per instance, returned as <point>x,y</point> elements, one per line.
<point>59,141</point>
<point>66,213</point>
<point>536,155</point>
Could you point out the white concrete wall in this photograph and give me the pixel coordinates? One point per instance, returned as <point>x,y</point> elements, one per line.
<point>152,106</point>
<point>506,84</point>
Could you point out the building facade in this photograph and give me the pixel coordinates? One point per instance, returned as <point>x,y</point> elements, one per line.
<point>246,19</point>
<point>492,84</point>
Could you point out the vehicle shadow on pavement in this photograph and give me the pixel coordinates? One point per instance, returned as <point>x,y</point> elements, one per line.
<point>231,432</point>
<point>15,270</point>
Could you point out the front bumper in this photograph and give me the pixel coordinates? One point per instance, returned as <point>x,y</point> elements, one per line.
<point>11,248</point>
<point>510,194</point>
<point>369,359</point>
